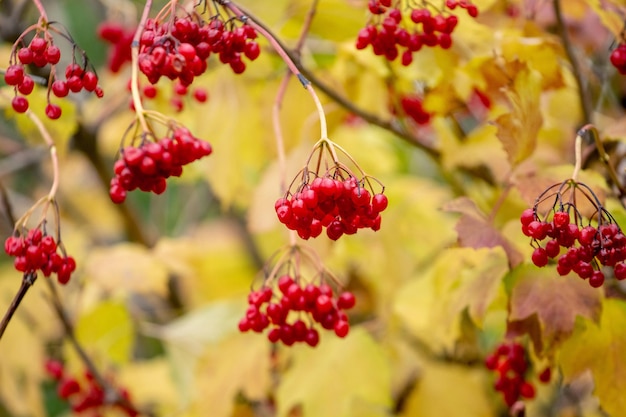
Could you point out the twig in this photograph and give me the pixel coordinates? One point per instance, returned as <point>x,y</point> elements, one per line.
<point>585,100</point>
<point>28,280</point>
<point>343,101</point>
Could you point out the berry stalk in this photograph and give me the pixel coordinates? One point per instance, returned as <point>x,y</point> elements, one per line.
<point>134,75</point>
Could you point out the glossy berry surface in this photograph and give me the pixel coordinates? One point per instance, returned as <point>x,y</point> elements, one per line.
<point>340,206</point>
<point>295,312</point>
<point>148,166</point>
<point>38,252</point>
<point>390,34</point>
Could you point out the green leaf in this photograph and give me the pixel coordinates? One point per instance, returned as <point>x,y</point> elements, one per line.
<point>337,377</point>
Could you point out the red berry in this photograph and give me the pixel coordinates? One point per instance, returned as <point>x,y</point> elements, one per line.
<point>346,300</point>
<point>14,75</point>
<point>560,219</point>
<point>342,328</point>
<point>67,388</point>
<point>545,375</point>
<point>26,86</point>
<point>200,95</point>
<point>527,390</point>
<point>597,279</point>
<point>540,257</point>
<point>19,104</point>
<point>53,54</point>
<point>53,111</point>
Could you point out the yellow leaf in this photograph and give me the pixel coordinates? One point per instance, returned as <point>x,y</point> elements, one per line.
<point>330,379</point>
<point>431,305</point>
<point>238,365</point>
<point>150,382</point>
<point>107,332</point>
<point>188,337</point>
<point>518,130</point>
<point>449,390</point>
<point>126,267</point>
<point>210,264</point>
<point>611,20</point>
<point>599,348</point>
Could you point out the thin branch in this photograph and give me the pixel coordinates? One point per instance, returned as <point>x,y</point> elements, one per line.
<point>112,395</point>
<point>583,92</point>
<point>28,280</point>
<point>344,102</point>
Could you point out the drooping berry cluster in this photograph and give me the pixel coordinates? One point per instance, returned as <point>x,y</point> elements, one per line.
<point>618,58</point>
<point>587,247</point>
<point>510,363</point>
<point>389,35</point>
<point>148,166</point>
<point>293,311</point>
<point>37,251</point>
<point>86,394</point>
<point>41,52</point>
<point>341,205</point>
<point>179,49</point>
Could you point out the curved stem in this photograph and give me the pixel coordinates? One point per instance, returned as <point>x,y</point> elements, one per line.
<point>134,77</point>
<point>42,11</point>
<point>604,156</point>
<point>578,155</point>
<point>287,59</point>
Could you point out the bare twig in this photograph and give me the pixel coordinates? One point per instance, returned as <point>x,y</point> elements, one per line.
<point>585,100</point>
<point>27,281</point>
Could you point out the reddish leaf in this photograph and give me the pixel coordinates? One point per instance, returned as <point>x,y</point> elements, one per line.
<point>474,229</point>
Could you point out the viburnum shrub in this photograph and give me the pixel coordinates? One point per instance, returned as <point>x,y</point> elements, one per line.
<point>510,362</point>
<point>85,394</point>
<point>148,161</point>
<point>568,223</point>
<point>390,34</point>
<point>293,308</point>
<point>42,52</point>
<point>331,196</point>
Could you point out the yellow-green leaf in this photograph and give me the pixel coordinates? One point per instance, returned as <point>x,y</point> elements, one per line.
<point>106,331</point>
<point>518,130</point>
<point>600,348</point>
<point>330,379</point>
<point>430,306</point>
<point>449,390</point>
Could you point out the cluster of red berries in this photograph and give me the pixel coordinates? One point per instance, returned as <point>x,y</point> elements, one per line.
<point>38,252</point>
<point>40,52</point>
<point>148,166</point>
<point>295,305</point>
<point>180,50</point>
<point>88,396</point>
<point>510,363</point>
<point>342,206</point>
<point>618,58</point>
<point>413,108</point>
<point>587,248</point>
<point>180,92</point>
<point>431,27</point>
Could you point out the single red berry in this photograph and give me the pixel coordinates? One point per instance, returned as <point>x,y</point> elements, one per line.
<point>54,368</point>
<point>527,390</point>
<point>53,111</point>
<point>53,54</point>
<point>324,303</point>
<point>346,300</point>
<point>200,94</point>
<point>19,104</point>
<point>342,328</point>
<point>597,279</point>
<point>540,257</point>
<point>560,219</point>
<point>67,388</point>
<point>90,81</point>
<point>25,56</point>
<point>26,86</point>
<point>14,75</point>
